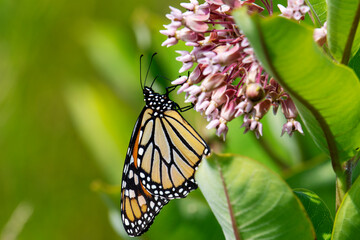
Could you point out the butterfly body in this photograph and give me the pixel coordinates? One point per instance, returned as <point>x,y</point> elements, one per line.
<point>163,155</point>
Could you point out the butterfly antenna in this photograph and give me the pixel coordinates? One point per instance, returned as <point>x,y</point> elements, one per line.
<point>140,72</point>
<point>154,81</point>
<point>147,73</point>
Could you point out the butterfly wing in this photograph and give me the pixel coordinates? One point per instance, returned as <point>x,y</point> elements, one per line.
<point>169,152</point>
<point>138,206</point>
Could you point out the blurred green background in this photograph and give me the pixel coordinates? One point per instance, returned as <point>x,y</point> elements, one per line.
<point>69,98</point>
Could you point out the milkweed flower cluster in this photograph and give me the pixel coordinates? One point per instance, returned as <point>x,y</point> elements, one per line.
<point>296,9</point>
<point>227,81</point>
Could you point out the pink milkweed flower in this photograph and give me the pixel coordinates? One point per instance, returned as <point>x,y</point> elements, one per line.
<point>190,6</point>
<point>215,2</point>
<point>228,55</point>
<point>213,81</point>
<point>296,9</point>
<point>175,14</point>
<point>320,34</point>
<point>290,112</point>
<point>245,106</point>
<point>187,35</point>
<point>209,60</point>
<point>226,115</point>
<point>251,123</point>
<point>228,110</point>
<point>228,81</point>
<point>170,42</point>
<point>181,80</point>
<point>291,126</point>
<point>222,130</point>
<point>217,99</point>
<point>213,124</point>
<point>288,108</point>
<point>196,22</point>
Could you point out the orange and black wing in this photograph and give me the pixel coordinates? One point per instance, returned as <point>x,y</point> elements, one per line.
<point>138,206</point>
<point>169,153</point>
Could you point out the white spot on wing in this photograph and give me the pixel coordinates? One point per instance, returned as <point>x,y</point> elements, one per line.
<point>141,151</point>
<point>136,179</point>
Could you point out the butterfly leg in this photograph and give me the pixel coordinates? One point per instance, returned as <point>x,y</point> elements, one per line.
<point>184,109</point>
<point>171,88</point>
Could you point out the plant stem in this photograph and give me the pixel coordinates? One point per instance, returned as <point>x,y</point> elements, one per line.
<point>351,37</point>
<point>343,183</point>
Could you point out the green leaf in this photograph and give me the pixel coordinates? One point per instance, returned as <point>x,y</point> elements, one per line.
<point>355,63</point>
<point>318,213</point>
<point>319,10</point>
<point>250,201</point>
<point>321,88</point>
<point>343,17</point>
<point>347,220</point>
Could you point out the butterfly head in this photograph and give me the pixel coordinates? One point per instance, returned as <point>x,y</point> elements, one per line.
<point>156,101</point>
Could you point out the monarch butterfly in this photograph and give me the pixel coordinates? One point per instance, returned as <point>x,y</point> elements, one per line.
<point>163,155</point>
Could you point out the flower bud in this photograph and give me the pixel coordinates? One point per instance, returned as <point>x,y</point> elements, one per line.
<point>186,35</point>
<point>255,92</point>
<point>289,109</point>
<point>196,22</point>
<point>175,14</point>
<point>228,110</point>
<point>262,108</point>
<point>218,96</point>
<point>179,80</point>
<point>170,42</point>
<point>195,75</point>
<point>320,35</point>
<point>213,81</point>
<point>228,56</point>
<point>213,124</point>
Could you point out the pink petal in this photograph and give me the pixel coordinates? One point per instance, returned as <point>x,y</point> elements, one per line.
<point>213,124</point>
<point>180,80</point>
<point>168,32</point>
<point>196,25</point>
<point>186,66</point>
<point>210,109</point>
<point>183,88</point>
<point>170,42</point>
<point>188,6</point>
